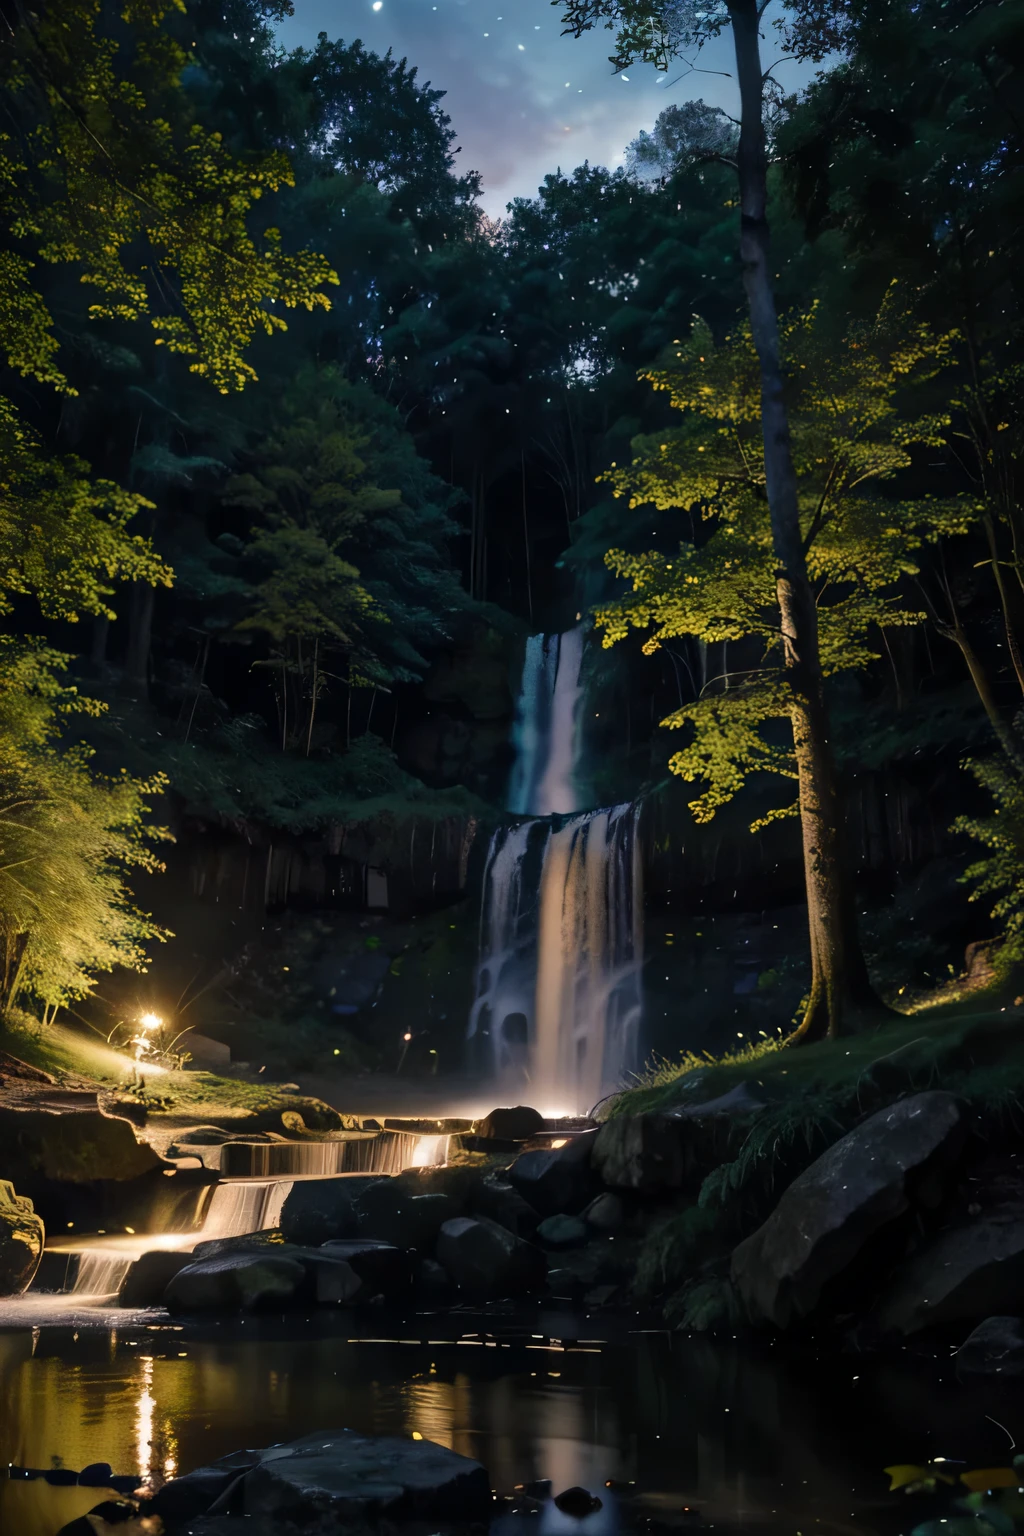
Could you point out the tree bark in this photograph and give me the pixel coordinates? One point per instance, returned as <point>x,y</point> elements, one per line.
<point>839,981</point>
<point>140,635</point>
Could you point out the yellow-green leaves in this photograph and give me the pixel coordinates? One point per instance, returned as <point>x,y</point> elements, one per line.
<point>850,436</point>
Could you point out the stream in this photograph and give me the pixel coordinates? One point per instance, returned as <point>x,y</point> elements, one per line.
<point>760,1437</point>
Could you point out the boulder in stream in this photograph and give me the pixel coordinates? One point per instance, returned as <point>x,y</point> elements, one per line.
<point>21,1241</point>
<point>559,1179</point>
<point>823,1220</point>
<point>516,1124</point>
<point>563,1232</point>
<point>486,1260</point>
<point>344,1478</point>
<point>969,1271</point>
<point>226,1283</point>
<point>316,1211</point>
<point>384,1269</point>
<point>386,1210</point>
<point>995,1348</point>
<point>147,1280</point>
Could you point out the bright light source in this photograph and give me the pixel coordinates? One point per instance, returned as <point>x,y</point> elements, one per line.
<point>563,1141</point>
<point>430,1152</point>
<point>150,1021</point>
<point>407,1037</point>
<point>377,4</point>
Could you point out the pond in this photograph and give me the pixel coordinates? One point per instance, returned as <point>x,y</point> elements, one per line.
<point>763,1437</point>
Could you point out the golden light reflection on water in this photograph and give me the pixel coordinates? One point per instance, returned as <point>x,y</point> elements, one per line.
<point>694,1422</point>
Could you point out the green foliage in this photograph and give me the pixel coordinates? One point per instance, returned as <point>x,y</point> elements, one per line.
<point>67,838</point>
<point>850,433</point>
<point>999,874</point>
<point>673,1249</point>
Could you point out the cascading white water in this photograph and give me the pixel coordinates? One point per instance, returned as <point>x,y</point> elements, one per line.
<point>547,733</point>
<point>558,993</point>
<point>100,1274</point>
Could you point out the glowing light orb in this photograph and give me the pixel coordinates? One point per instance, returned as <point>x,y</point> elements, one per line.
<point>150,1021</point>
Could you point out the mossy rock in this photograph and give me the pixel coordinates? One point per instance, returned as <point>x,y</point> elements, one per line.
<point>21,1241</point>
<point>73,1148</point>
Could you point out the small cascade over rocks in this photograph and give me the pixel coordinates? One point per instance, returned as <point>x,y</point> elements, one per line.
<point>558,994</point>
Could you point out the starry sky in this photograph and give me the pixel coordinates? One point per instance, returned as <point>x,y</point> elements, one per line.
<point>523,99</point>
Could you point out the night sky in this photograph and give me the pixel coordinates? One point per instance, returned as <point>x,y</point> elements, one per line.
<point>523,99</point>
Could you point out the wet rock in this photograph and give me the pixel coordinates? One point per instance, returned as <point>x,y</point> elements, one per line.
<point>114,1514</point>
<point>498,1200</point>
<point>183,1498</point>
<point>389,1212</point>
<point>74,1147</point>
<point>432,1283</point>
<point>337,1284</point>
<point>96,1475</point>
<point>248,1242</point>
<point>517,1124</point>
<point>562,1232</point>
<point>559,1179</point>
<point>972,1270</point>
<point>606,1213</point>
<point>995,1348</point>
<point>486,1260</point>
<point>577,1502</point>
<point>203,1136</point>
<point>643,1152</point>
<point>316,1211</point>
<point>21,1240</point>
<point>149,1277</point>
<point>867,1179</point>
<point>229,1282</point>
<point>384,1269</point>
<point>344,1477</point>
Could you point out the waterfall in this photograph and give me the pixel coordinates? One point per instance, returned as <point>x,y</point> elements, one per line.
<point>380,1152</point>
<point>248,1205</point>
<point>546,732</point>
<point>558,995</point>
<point>100,1273</point>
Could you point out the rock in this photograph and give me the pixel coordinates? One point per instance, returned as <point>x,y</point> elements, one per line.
<point>384,1269</point>
<point>387,1211</point>
<point>606,1213</point>
<point>113,1514</point>
<point>147,1280</point>
<point>972,1270</point>
<point>184,1498</point>
<point>517,1124</point>
<point>76,1147</point>
<point>248,1242</point>
<point>995,1348</point>
<point>432,1283</point>
<point>505,1205</point>
<point>347,1478</point>
<point>563,1232</point>
<point>96,1475</point>
<point>578,1503</point>
<point>21,1241</point>
<point>338,1285</point>
<point>645,1152</point>
<point>559,1179</point>
<point>867,1179</point>
<point>564,1284</point>
<point>486,1260</point>
<point>250,1281</point>
<point>316,1211</point>
<point>203,1136</point>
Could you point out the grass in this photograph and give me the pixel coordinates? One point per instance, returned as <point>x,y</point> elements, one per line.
<point>179,1096</point>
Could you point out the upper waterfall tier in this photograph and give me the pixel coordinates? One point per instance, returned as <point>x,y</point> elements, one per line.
<point>546,733</point>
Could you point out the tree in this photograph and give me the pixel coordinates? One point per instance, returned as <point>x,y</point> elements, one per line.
<point>655,32</point>
<point>851,437</point>
<point>107,176</point>
<point>68,837</point>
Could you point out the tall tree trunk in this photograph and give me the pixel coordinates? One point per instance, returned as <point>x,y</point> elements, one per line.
<point>100,631</point>
<point>140,635</point>
<point>839,980</point>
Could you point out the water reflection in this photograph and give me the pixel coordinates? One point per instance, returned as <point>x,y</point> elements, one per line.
<point>746,1438</point>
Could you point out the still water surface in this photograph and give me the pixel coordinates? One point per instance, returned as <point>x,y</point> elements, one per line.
<point>751,1439</point>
